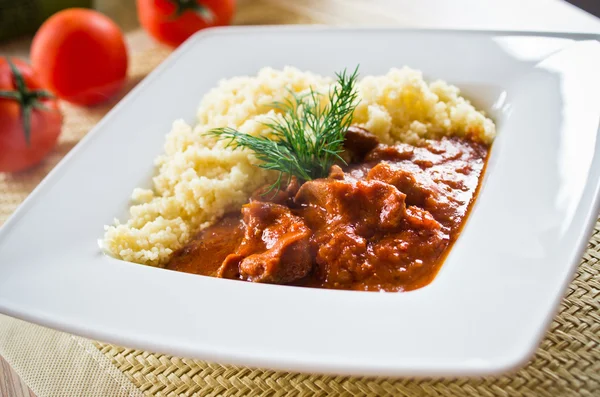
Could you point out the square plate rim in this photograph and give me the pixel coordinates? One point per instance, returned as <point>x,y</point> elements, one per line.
<point>576,253</point>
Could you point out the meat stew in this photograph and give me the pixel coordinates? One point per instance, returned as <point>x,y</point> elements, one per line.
<point>385,222</point>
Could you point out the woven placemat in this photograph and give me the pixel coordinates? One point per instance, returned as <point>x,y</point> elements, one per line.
<point>566,364</point>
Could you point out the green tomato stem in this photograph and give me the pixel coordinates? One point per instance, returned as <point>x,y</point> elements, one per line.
<point>28,99</point>
<point>192,5</point>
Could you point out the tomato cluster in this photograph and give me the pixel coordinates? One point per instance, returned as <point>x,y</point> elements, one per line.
<point>80,56</point>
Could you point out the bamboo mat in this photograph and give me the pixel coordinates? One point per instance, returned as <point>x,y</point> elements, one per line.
<point>566,364</point>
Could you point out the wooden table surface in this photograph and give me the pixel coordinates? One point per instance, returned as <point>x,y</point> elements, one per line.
<point>503,14</point>
<point>10,383</point>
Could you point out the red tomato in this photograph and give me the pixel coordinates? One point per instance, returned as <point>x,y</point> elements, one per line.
<point>81,56</point>
<point>172,21</point>
<point>42,118</point>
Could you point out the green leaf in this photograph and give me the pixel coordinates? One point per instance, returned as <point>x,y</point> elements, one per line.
<point>11,95</point>
<point>26,119</point>
<point>40,106</point>
<point>19,81</point>
<point>42,94</point>
<point>205,13</point>
<point>202,11</point>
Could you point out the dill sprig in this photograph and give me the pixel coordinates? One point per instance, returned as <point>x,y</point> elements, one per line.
<point>308,138</point>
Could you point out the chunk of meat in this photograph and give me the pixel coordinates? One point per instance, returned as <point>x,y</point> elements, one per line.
<point>282,196</point>
<point>363,232</point>
<point>440,177</point>
<point>369,205</point>
<point>275,247</point>
<point>336,172</point>
<point>358,143</point>
<point>416,185</point>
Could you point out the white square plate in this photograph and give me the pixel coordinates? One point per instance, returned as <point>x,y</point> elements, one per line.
<point>484,313</point>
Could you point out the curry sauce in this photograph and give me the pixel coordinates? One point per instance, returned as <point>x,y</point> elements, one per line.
<point>385,222</point>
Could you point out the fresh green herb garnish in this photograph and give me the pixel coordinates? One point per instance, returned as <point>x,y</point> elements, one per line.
<point>309,137</point>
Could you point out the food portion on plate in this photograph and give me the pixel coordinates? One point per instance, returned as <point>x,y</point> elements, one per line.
<point>292,178</point>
